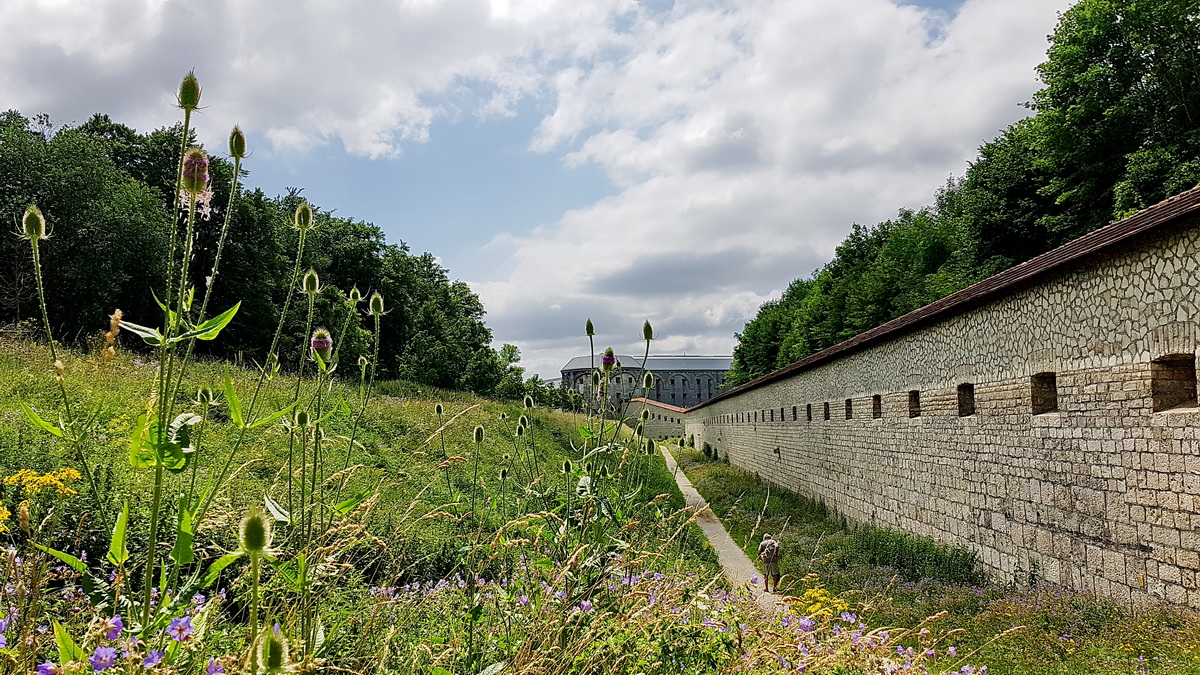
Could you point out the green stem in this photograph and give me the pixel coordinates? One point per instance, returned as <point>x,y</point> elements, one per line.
<point>254,576</point>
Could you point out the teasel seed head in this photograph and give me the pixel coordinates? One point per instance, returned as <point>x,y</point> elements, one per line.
<point>376,304</point>
<point>254,535</point>
<point>322,344</point>
<point>639,428</point>
<point>303,218</point>
<point>478,435</point>
<point>33,225</point>
<point>356,295</point>
<point>567,466</point>
<point>523,421</point>
<point>645,414</point>
<point>311,284</point>
<point>648,380</point>
<point>189,92</point>
<point>237,143</point>
<point>273,651</point>
<point>195,171</point>
<point>437,410</point>
<point>301,418</point>
<point>608,360</point>
<point>503,416</point>
<point>363,362</point>
<point>595,378</point>
<point>647,332</point>
<point>520,431</point>
<point>503,474</point>
<point>589,329</point>
<point>528,401</point>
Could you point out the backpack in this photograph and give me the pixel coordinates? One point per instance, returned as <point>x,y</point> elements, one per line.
<point>771,553</point>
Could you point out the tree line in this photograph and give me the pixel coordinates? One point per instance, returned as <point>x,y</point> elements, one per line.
<point>107,193</point>
<point>1115,128</point>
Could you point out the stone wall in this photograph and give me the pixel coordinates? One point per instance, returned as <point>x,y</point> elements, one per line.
<point>932,429</point>
<point>665,421</point>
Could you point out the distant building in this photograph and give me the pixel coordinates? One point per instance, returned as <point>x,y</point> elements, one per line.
<point>681,381</point>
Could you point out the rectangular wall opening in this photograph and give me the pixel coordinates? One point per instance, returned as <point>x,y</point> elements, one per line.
<point>827,410</point>
<point>794,413</point>
<point>966,399</point>
<point>808,409</point>
<point>1043,392</point>
<point>1173,382</point>
<point>876,406</point>
<point>914,403</point>
<point>849,408</point>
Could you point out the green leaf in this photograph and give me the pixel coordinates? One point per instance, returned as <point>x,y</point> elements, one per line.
<point>67,649</point>
<point>351,503</point>
<point>70,560</point>
<point>118,552</point>
<point>214,570</point>
<point>586,432</point>
<point>494,668</point>
<point>231,397</point>
<point>209,329</point>
<point>277,512</point>
<point>273,417</point>
<point>150,335</point>
<point>438,670</point>
<point>37,420</point>
<point>185,531</point>
<point>141,453</point>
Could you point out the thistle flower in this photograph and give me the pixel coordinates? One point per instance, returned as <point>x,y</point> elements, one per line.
<point>273,651</point>
<point>647,332</point>
<point>608,360</point>
<point>322,344</point>
<point>303,219</point>
<point>311,284</point>
<point>33,225</point>
<point>189,92</point>
<point>376,304</point>
<point>195,171</point>
<point>254,535</point>
<point>237,143</point>
<point>589,329</point>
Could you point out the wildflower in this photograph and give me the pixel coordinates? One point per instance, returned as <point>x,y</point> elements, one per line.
<point>5,514</point>
<point>608,360</point>
<point>254,535</point>
<point>112,628</point>
<point>523,600</point>
<point>585,605</point>
<point>303,219</point>
<point>47,668</point>
<point>807,625</point>
<point>376,304</point>
<point>273,650</point>
<point>199,599</point>
<point>180,628</point>
<point>322,344</point>
<point>952,651</point>
<point>311,283</point>
<point>356,295</point>
<point>647,332</point>
<point>213,668</point>
<point>103,658</point>
<point>152,658</point>
<point>195,171</point>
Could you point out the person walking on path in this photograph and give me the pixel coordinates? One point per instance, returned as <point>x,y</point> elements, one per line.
<point>769,553</point>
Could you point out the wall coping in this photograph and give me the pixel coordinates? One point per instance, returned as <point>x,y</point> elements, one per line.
<point>658,404</point>
<point>991,288</point>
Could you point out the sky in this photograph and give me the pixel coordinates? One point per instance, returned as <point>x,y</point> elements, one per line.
<point>677,161</point>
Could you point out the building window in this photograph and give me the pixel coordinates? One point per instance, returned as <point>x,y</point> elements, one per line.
<point>914,403</point>
<point>966,399</point>
<point>827,410</point>
<point>794,418</point>
<point>808,411</point>
<point>1173,382</point>
<point>876,406</point>
<point>772,414</point>
<point>1043,392</point>
<point>849,408</point>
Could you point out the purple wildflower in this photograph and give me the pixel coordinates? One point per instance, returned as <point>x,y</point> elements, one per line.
<point>214,668</point>
<point>180,628</point>
<point>112,628</point>
<point>47,668</point>
<point>807,625</point>
<point>585,605</point>
<point>103,658</point>
<point>523,600</point>
<point>152,658</point>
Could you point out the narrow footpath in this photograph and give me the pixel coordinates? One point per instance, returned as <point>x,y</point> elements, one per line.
<point>739,569</point>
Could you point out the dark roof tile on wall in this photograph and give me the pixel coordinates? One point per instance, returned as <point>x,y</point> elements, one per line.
<point>994,287</point>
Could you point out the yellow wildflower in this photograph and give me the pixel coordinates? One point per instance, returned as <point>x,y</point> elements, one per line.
<point>33,482</point>
<point>4,516</point>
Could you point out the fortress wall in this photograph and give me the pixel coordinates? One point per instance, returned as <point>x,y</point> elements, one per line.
<point>665,421</point>
<point>1104,493</point>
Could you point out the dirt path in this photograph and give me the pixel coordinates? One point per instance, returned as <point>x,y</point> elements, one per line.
<point>739,569</point>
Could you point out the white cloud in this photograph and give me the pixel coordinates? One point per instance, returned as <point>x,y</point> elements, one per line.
<point>745,136</point>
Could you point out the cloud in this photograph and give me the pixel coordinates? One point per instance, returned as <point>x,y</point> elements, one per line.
<point>744,136</point>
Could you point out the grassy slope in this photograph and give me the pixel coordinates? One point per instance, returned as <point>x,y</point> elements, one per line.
<point>1064,632</point>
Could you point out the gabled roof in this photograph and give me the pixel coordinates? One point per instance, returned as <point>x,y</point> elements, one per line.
<point>659,363</point>
<point>994,287</point>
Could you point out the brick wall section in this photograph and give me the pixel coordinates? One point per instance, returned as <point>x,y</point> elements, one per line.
<point>1103,493</point>
<point>665,421</point>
